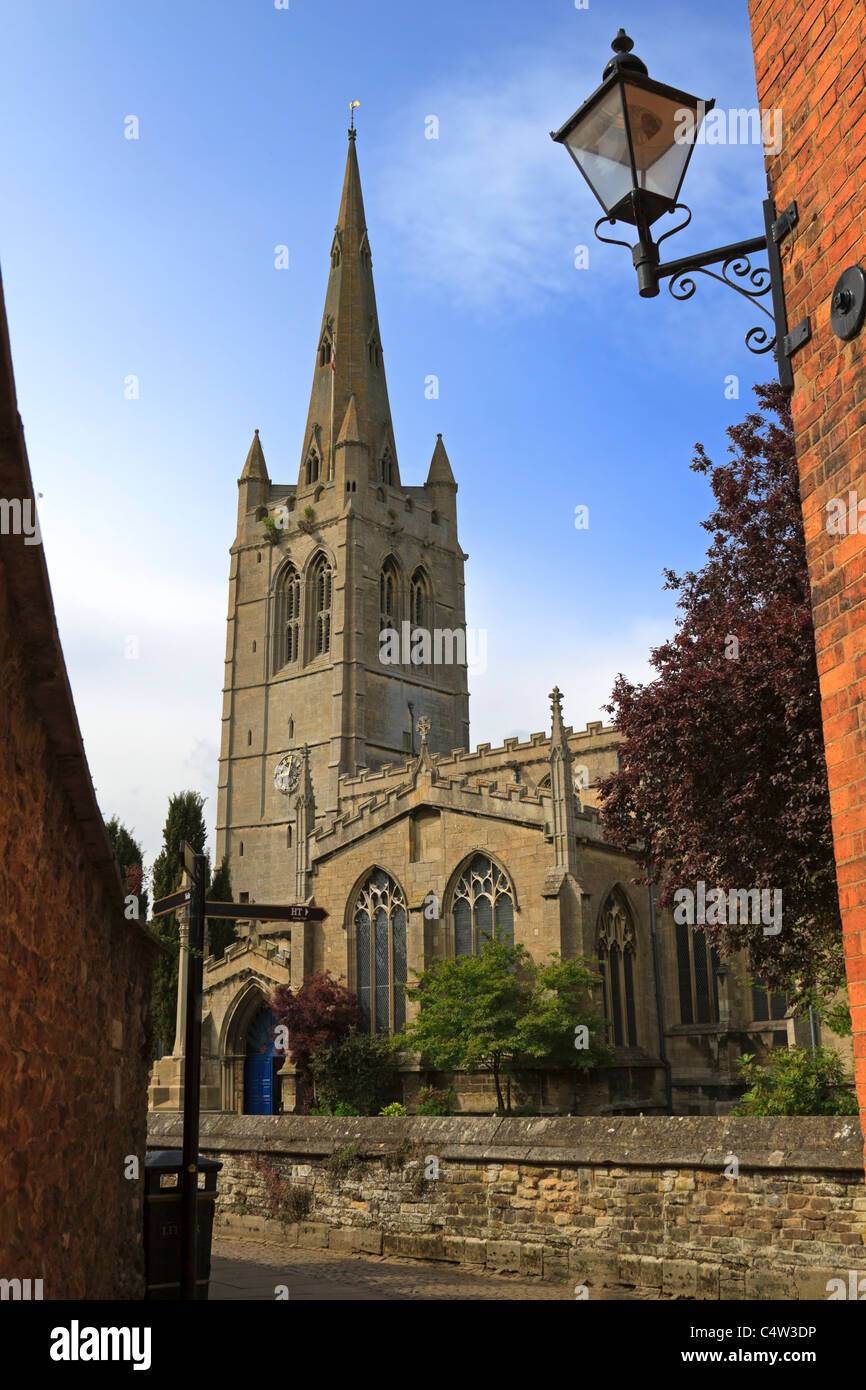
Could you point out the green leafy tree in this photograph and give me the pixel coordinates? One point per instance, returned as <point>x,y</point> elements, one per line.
<point>130,857</point>
<point>796,1081</point>
<point>185,821</point>
<point>355,1074</point>
<point>222,931</point>
<point>502,1012</point>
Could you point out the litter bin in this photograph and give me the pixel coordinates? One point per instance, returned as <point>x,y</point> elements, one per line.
<point>162,1219</point>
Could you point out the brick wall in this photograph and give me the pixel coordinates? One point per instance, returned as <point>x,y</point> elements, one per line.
<point>809,63</point>
<point>74,973</point>
<point>615,1203</point>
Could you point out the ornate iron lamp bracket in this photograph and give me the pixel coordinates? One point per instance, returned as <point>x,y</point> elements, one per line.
<point>735,261</point>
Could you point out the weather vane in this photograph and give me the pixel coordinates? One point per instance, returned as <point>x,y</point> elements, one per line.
<point>352,105</point>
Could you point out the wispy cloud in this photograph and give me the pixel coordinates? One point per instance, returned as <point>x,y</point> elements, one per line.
<point>493,210</point>
<point>488,208</point>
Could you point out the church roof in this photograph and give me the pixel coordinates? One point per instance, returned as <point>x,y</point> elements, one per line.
<point>350,325</point>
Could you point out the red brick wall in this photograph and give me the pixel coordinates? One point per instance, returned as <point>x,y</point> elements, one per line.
<point>74,973</point>
<point>809,63</point>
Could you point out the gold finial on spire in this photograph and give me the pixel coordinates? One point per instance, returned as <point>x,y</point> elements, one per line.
<point>352,105</point>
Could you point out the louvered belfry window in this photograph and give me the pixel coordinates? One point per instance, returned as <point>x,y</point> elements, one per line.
<point>379,920</point>
<point>388,590</point>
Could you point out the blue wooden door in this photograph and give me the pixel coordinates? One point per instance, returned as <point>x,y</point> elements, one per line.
<point>260,1065</point>
<point>259,1085</point>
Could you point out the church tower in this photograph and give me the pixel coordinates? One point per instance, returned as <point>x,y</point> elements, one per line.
<point>319,569</point>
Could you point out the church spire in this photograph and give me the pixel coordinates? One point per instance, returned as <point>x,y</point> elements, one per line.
<point>255,466</point>
<point>349,358</point>
<point>440,468</point>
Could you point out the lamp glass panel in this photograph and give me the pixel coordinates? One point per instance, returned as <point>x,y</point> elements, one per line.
<point>663,133</point>
<point>599,146</point>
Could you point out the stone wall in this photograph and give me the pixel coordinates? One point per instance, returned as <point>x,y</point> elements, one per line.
<point>75,983</point>
<point>619,1203</point>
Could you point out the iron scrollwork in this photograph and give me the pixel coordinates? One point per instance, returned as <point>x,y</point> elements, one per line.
<point>682,286</point>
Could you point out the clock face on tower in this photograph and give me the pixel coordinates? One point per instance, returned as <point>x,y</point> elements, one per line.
<point>286,773</point>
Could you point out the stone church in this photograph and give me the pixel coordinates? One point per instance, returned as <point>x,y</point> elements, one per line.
<point>347,779</point>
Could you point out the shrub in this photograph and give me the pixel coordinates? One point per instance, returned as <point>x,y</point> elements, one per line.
<point>357,1070</point>
<point>282,1199</point>
<point>434,1102</point>
<point>397,1157</point>
<point>417,1179</point>
<point>395,1108</point>
<point>342,1161</point>
<point>796,1081</point>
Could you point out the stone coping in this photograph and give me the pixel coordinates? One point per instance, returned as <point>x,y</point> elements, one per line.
<point>814,1143</point>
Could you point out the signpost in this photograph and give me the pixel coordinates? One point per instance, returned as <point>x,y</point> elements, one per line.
<point>192,896</point>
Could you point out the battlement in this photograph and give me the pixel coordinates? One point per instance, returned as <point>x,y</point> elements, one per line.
<point>483,754</point>
<point>485,796</point>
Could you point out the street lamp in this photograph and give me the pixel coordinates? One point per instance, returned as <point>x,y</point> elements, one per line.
<point>632,141</point>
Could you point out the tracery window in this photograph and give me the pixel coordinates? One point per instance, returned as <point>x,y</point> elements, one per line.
<point>767,1004</point>
<point>313,465</point>
<point>287,618</point>
<point>379,920</point>
<point>320,606</point>
<point>482,906</point>
<point>698,975</point>
<point>616,953</point>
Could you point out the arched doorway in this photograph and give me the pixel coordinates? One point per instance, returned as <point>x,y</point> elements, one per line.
<point>260,1065</point>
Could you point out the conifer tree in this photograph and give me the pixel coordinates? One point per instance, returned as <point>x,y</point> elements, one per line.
<point>221,930</point>
<point>185,821</point>
<point>130,857</point>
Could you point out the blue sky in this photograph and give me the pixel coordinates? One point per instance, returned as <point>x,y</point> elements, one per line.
<point>154,257</point>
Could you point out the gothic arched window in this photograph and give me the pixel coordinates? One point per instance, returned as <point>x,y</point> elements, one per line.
<point>419,600</point>
<point>616,951</point>
<point>319,585</point>
<point>698,975</point>
<point>312,474</point>
<point>482,906</point>
<point>287,618</point>
<point>389,588</point>
<point>379,922</point>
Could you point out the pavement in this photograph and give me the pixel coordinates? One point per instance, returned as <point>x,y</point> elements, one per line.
<point>257,1270</point>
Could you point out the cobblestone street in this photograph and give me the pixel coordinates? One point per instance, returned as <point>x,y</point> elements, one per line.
<point>245,1269</point>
